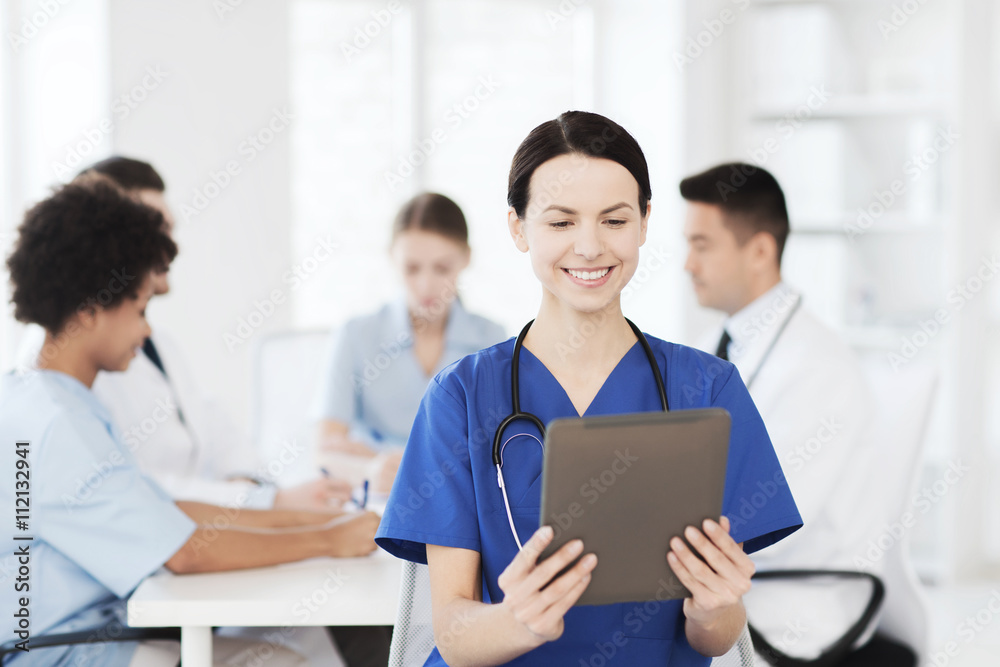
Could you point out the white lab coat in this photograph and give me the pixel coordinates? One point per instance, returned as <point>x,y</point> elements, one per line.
<point>816,404</point>
<point>192,459</point>
<point>811,392</point>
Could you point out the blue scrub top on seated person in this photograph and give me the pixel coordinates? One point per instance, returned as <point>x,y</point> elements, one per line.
<point>372,378</point>
<point>446,492</point>
<point>99,526</point>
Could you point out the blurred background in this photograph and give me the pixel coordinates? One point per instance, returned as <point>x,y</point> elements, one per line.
<point>290,126</point>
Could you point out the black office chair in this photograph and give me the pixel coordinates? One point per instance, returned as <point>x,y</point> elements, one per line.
<point>68,638</point>
<point>834,653</point>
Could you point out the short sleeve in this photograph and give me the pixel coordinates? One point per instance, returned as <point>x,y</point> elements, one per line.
<point>433,498</point>
<point>96,508</point>
<point>337,399</point>
<point>757,499</point>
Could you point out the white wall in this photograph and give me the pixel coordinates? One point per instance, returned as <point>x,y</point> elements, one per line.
<point>225,76</point>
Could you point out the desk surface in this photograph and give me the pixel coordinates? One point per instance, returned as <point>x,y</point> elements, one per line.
<point>320,591</point>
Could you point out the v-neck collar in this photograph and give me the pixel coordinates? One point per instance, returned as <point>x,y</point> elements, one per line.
<point>539,372</point>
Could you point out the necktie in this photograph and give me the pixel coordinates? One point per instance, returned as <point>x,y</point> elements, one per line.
<point>722,352</point>
<point>150,351</point>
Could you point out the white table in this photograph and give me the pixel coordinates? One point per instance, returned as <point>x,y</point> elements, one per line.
<point>317,592</point>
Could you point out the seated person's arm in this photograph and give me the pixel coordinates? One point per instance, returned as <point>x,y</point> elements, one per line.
<point>335,436</point>
<point>214,515</point>
<point>353,460</point>
<point>214,548</point>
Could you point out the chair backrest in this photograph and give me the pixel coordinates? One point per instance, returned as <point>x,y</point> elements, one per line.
<point>740,655</point>
<point>413,634</point>
<point>905,398</point>
<point>285,378</point>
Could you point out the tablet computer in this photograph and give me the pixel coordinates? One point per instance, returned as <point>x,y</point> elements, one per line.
<point>626,485</point>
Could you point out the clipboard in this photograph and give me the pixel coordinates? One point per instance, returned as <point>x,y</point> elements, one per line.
<point>627,484</point>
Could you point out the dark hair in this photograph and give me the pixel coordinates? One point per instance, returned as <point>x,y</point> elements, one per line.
<point>432,212</point>
<point>580,132</point>
<point>750,198</point>
<point>128,173</point>
<point>87,245</point>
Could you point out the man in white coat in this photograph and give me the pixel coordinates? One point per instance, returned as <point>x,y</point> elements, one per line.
<point>806,382</point>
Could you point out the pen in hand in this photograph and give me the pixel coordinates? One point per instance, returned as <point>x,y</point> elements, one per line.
<point>364,495</point>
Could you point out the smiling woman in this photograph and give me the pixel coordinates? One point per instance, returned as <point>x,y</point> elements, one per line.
<point>579,207</point>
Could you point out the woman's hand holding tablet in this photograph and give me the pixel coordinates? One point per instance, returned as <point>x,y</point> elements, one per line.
<point>718,580</point>
<point>534,596</point>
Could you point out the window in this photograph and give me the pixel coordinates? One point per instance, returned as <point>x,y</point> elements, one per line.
<point>458,102</point>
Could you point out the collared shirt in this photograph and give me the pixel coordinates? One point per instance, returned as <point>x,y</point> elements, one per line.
<point>814,399</point>
<point>374,381</point>
<point>756,326</point>
<point>99,525</point>
<point>448,468</point>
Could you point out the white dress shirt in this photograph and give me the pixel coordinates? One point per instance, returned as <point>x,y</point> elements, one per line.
<point>811,392</point>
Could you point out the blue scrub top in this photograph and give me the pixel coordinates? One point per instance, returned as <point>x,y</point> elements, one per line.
<point>372,379</point>
<point>446,492</point>
<point>99,525</point>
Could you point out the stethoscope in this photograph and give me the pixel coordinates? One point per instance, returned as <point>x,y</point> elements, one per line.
<point>774,341</point>
<point>515,398</point>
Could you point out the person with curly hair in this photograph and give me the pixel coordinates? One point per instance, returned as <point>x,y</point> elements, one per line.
<point>82,268</point>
